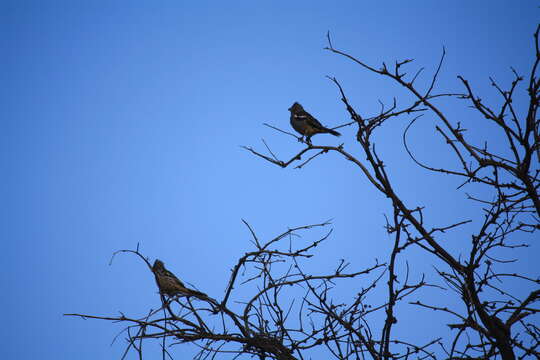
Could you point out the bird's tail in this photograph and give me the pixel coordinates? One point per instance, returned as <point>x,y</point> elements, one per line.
<point>196,293</point>
<point>333,132</point>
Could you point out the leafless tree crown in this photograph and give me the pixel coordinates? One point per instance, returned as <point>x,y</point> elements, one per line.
<point>291,313</point>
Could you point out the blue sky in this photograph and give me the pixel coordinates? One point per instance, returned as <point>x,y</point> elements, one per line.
<point>122,124</point>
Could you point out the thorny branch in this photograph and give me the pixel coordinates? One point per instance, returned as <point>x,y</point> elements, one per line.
<point>290,311</point>
<point>492,319</point>
<point>267,325</point>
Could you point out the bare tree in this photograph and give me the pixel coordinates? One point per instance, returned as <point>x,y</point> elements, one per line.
<point>293,312</point>
<point>266,325</point>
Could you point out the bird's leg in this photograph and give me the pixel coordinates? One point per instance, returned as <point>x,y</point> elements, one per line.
<point>308,140</point>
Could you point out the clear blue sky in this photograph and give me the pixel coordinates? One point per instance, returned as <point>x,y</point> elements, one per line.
<point>121,124</point>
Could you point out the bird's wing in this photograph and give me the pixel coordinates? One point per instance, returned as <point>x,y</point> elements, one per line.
<point>310,120</point>
<point>171,275</point>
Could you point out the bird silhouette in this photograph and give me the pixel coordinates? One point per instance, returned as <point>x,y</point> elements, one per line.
<point>306,125</point>
<point>169,284</point>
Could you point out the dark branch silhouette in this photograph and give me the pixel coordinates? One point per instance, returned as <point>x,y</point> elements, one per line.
<point>290,311</point>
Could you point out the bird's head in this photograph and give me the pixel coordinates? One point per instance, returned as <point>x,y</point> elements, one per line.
<point>295,107</point>
<point>158,265</point>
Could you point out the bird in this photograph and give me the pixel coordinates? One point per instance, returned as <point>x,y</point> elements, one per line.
<point>169,284</point>
<point>306,125</point>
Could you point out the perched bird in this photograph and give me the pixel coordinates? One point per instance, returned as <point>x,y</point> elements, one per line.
<point>307,125</point>
<point>169,284</point>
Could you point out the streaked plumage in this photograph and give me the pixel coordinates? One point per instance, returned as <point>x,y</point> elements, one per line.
<point>169,284</point>
<point>305,124</point>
